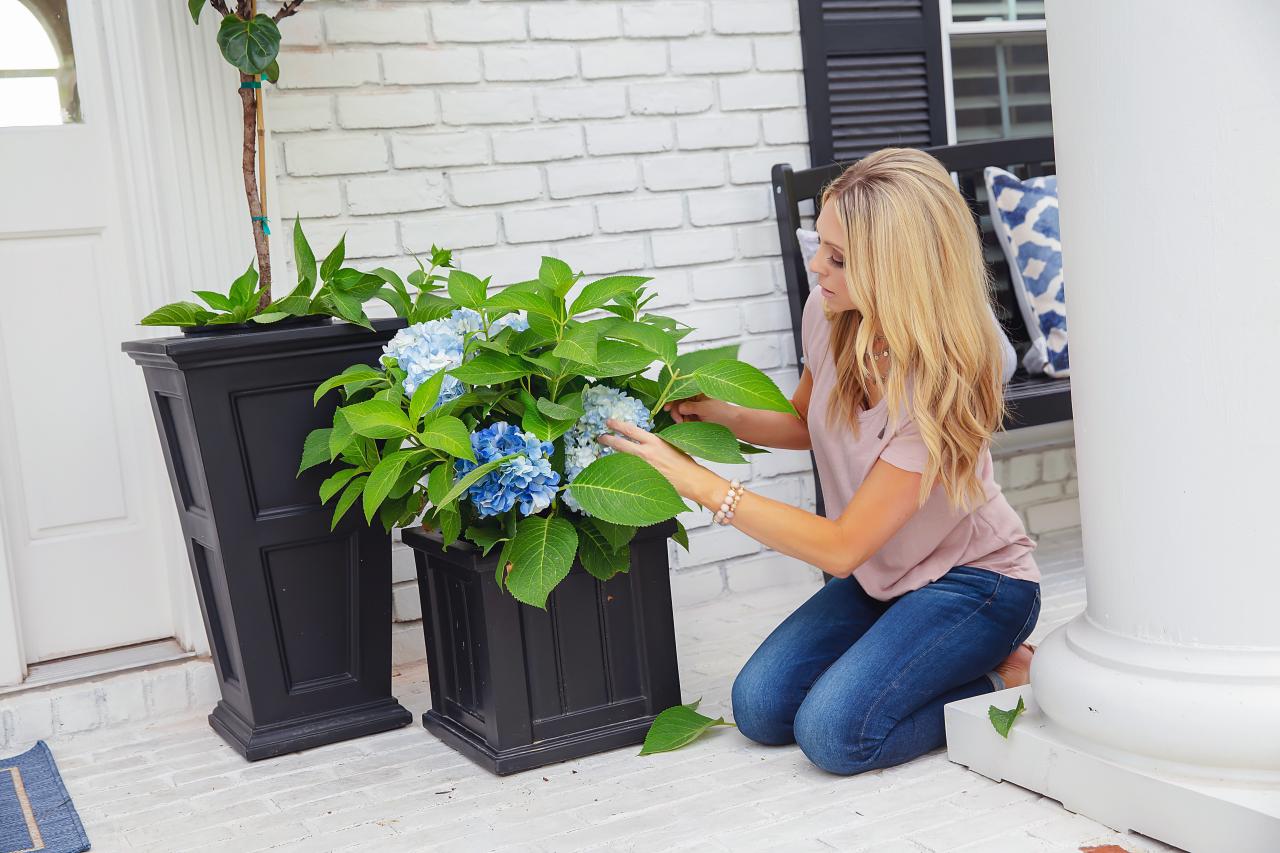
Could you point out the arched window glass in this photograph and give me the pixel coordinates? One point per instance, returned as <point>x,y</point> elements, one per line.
<point>37,65</point>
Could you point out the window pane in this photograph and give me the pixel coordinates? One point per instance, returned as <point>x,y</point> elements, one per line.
<point>1001,86</point>
<point>997,10</point>
<point>37,64</point>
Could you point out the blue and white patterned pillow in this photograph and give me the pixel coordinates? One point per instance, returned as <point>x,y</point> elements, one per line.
<point>1024,215</point>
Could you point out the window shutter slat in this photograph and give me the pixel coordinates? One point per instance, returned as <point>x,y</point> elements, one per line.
<point>873,76</point>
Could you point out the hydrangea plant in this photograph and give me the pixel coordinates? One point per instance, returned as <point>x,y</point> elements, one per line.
<point>481,422</point>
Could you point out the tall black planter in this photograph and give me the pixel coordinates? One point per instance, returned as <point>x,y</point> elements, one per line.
<point>298,617</point>
<point>514,687</point>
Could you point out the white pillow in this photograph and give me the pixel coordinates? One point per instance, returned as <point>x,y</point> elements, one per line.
<point>809,242</point>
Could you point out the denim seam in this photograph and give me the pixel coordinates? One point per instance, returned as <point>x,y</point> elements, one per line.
<point>862,732</point>
<point>1023,633</point>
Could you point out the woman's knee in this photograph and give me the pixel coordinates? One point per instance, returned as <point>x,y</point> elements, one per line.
<point>759,710</point>
<point>832,736</point>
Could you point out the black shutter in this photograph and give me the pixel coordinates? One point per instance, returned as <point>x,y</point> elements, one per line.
<point>872,76</point>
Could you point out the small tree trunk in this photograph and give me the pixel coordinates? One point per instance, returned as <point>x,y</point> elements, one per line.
<point>249,103</point>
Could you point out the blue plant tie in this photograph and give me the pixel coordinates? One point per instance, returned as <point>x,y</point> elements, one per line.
<point>266,229</point>
<point>251,84</point>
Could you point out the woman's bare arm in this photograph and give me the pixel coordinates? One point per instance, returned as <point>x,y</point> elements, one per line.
<point>884,502</point>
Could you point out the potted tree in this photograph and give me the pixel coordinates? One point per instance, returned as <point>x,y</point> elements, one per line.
<point>297,612</point>
<point>541,555</point>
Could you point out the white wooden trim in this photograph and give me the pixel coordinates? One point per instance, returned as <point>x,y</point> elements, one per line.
<point>974,28</point>
<point>13,667</point>
<point>176,130</point>
<point>948,84</point>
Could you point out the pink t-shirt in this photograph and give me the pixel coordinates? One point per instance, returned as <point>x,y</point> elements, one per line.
<point>937,537</point>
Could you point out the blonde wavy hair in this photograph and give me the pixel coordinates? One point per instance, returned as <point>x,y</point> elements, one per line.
<point>914,268</point>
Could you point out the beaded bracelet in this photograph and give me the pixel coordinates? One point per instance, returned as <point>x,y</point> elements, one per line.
<point>730,503</point>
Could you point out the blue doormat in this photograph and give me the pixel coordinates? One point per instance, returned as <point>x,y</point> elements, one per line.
<point>36,814</point>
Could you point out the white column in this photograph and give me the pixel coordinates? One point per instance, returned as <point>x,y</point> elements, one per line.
<point>1166,123</point>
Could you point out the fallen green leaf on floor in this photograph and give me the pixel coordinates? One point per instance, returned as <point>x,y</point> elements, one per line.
<point>678,726</point>
<point>1003,720</point>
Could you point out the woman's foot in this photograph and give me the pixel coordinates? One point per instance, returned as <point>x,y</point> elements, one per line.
<point>1016,669</point>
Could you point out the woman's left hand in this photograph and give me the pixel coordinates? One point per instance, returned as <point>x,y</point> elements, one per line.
<point>673,463</point>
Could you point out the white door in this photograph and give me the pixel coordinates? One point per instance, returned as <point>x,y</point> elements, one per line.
<point>81,558</point>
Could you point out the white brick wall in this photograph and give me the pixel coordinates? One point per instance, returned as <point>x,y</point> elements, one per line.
<point>621,136</point>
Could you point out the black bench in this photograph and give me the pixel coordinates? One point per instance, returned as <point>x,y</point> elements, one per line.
<point>1031,400</point>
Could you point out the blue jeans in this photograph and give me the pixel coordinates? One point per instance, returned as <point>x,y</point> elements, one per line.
<point>860,683</point>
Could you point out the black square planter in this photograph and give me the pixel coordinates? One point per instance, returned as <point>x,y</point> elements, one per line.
<point>514,687</point>
<point>298,617</point>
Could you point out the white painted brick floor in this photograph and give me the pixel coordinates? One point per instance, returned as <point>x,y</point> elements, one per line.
<point>172,785</point>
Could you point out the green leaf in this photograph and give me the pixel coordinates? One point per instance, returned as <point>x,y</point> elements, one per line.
<point>334,260</point>
<point>677,727</point>
<point>251,45</point>
<point>355,373</point>
<point>619,535</point>
<point>705,440</point>
<point>315,449</point>
<point>242,289</point>
<point>424,397</point>
<point>690,361</point>
<point>349,496</point>
<point>740,383</point>
<point>531,420</point>
<point>341,437</point>
<point>491,368</point>
<point>654,340</point>
<point>504,560</point>
<point>450,524</point>
<point>557,275</point>
<point>216,300</point>
<point>195,7</point>
<point>303,258</point>
<point>350,309</point>
<point>1003,720</point>
<point>466,290</point>
<point>269,317</point>
<point>272,72</point>
<point>178,314</point>
<point>528,296</point>
<point>579,344</point>
<point>541,556</point>
<point>438,483</point>
<point>293,305</point>
<point>597,293</point>
<point>560,411</point>
<point>383,479</point>
<point>615,358</point>
<point>597,555</point>
<point>681,536</point>
<point>472,476</point>
<point>377,419</point>
<point>334,484</point>
<point>398,303</point>
<point>448,434</point>
<point>431,307</point>
<point>484,537</point>
<point>749,449</point>
<point>625,489</point>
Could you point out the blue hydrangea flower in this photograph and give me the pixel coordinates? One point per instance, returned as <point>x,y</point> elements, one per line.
<point>526,480</point>
<point>599,403</point>
<point>424,349</point>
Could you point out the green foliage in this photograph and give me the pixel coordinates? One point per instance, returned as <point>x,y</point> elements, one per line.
<point>1003,720</point>
<point>397,453</point>
<point>678,726</point>
<point>329,289</point>
<point>250,45</point>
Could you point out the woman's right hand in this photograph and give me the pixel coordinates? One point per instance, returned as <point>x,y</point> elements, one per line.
<point>701,408</point>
